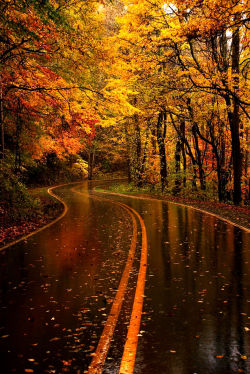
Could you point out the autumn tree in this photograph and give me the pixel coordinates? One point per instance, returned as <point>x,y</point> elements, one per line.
<point>186,57</point>
<point>41,45</point>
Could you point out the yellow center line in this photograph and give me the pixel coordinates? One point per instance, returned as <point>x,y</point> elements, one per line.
<point>130,348</point>
<point>96,366</point>
<point>132,337</point>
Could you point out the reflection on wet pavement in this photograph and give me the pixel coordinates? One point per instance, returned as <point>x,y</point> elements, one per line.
<point>57,290</point>
<point>58,287</point>
<point>197,306</point>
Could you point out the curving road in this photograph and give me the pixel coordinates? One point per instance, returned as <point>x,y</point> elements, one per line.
<point>62,291</point>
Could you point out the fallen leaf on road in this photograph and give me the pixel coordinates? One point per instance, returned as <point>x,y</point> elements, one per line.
<point>54,339</point>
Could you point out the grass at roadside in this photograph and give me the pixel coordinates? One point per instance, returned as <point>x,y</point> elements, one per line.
<point>237,214</point>
<point>125,189</point>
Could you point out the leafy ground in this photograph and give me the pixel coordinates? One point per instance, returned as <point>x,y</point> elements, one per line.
<point>13,228</point>
<point>237,214</point>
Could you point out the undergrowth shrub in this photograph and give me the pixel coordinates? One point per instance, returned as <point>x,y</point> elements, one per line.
<point>15,200</point>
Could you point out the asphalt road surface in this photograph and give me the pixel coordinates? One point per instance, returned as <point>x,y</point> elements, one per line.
<point>62,289</point>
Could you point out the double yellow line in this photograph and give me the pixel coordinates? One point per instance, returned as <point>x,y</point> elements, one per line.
<point>130,348</point>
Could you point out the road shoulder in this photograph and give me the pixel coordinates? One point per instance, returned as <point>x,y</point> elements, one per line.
<point>238,216</point>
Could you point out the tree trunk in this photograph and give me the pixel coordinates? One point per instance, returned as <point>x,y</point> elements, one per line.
<point>176,189</point>
<point>136,150</point>
<point>188,150</point>
<point>128,154</point>
<point>91,164</point>
<point>137,163</point>
<point>199,159</point>
<point>144,158</point>
<point>2,147</point>
<point>247,179</point>
<point>182,130</point>
<point>161,134</point>
<point>234,117</point>
<point>153,140</point>
<point>18,134</point>
<point>221,170</point>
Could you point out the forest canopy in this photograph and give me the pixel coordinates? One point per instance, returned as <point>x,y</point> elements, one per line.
<point>159,89</point>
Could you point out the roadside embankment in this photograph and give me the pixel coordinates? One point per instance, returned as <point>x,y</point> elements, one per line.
<point>238,215</point>
<point>48,208</point>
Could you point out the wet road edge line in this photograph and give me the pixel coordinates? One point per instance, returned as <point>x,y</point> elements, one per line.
<point>173,202</point>
<point>99,358</point>
<point>48,224</point>
<point>130,348</point>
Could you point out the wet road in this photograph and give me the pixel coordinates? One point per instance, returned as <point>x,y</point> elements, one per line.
<point>57,289</point>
